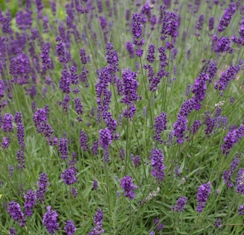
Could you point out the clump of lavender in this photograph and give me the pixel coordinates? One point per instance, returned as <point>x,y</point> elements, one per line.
<point>98,221</point>
<point>240,181</point>
<point>226,18</point>
<point>127,184</point>
<point>16,213</point>
<point>69,176</point>
<point>160,126</point>
<point>63,148</point>
<point>42,186</point>
<point>69,227</point>
<point>157,162</point>
<point>202,196</point>
<point>227,174</point>
<point>180,204</point>
<point>30,201</point>
<point>49,220</point>
<point>180,127</point>
<point>138,40</point>
<point>12,231</point>
<point>83,141</point>
<point>7,125</point>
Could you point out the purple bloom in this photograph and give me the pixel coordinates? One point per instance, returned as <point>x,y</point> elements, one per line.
<point>49,220</point>
<point>241,210</point>
<point>46,60</point>
<point>200,22</point>
<point>5,142</point>
<point>74,192</point>
<point>105,138</point>
<point>69,227</point>
<point>30,201</point>
<point>222,45</point>
<point>11,170</point>
<point>226,18</point>
<point>21,135</point>
<point>83,141</point>
<point>130,48</point>
<point>137,161</point>
<point>94,148</point>
<point>160,126</point>
<point>95,185</point>
<point>127,184</point>
<point>211,23</point>
<point>210,124</point>
<point>202,196</point>
<point>199,87</point>
<point>240,181</point>
<point>130,85</point>
<point>151,52</point>
<point>180,204</point>
<point>98,221</point>
<point>157,162</point>
<point>69,176</point>
<point>218,223</point>
<point>195,126</point>
<point>7,125</point>
<point>16,213</point>
<point>42,186</point>
<point>63,148</point>
<point>21,159</point>
<point>12,231</point>
<point>180,127</point>
<point>83,57</point>
<point>65,80</point>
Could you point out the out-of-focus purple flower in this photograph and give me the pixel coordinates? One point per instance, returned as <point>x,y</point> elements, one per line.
<point>5,142</point>
<point>83,56</point>
<point>202,196</point>
<point>160,125</point>
<point>12,231</point>
<point>105,138</point>
<point>127,184</point>
<point>157,162</point>
<point>74,192</point>
<point>226,18</point>
<point>94,148</point>
<point>65,80</point>
<point>240,181</point>
<point>160,226</point>
<point>195,126</point>
<point>222,44</point>
<point>211,23</point>
<point>21,159</point>
<point>98,221</point>
<point>94,185</point>
<point>130,48</point>
<point>210,124</point>
<point>24,19</point>
<point>199,87</point>
<point>69,227</point>
<point>11,170</point>
<point>49,220</point>
<point>137,161</point>
<point>69,176</point>
<point>112,59</point>
<point>152,233</point>
<point>42,187</point>
<point>30,201</point>
<point>200,22</point>
<point>46,60</point>
<point>21,135</point>
<point>180,204</point>
<point>16,213</point>
<point>241,210</point>
<point>153,21</point>
<point>151,52</point>
<point>218,223</point>
<point>83,141</point>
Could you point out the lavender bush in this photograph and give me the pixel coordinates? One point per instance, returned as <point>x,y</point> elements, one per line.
<point>121,117</point>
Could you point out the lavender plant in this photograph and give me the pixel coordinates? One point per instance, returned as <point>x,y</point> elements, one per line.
<point>121,117</point>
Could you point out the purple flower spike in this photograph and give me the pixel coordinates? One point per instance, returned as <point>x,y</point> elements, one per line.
<point>42,184</point>
<point>50,220</point>
<point>30,201</point>
<point>240,182</point>
<point>16,213</point>
<point>69,176</point>
<point>180,204</point>
<point>202,196</point>
<point>160,126</point>
<point>12,231</point>
<point>98,221</point>
<point>157,162</point>
<point>241,210</point>
<point>127,184</point>
<point>69,227</point>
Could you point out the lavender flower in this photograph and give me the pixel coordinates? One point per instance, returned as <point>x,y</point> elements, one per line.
<point>83,57</point>
<point>240,181</point>
<point>30,201</point>
<point>46,60</point>
<point>226,18</point>
<point>211,23</point>
<point>160,125</point>
<point>42,187</point>
<point>180,127</point>
<point>16,213</point>
<point>94,148</point>
<point>127,184</point>
<point>11,170</point>
<point>180,204</point>
<point>157,162</point>
<point>12,231</point>
<point>130,48</point>
<point>7,125</point>
<point>21,159</point>
<point>151,52</point>
<point>74,192</point>
<point>69,227</point>
<point>69,176</point>
<point>218,223</point>
<point>49,220</point>
<point>195,126</point>
<point>83,141</point>
<point>241,210</point>
<point>5,142</point>
<point>98,221</point>
<point>63,148</point>
<point>105,138</point>
<point>95,185</point>
<point>202,196</point>
<point>137,161</point>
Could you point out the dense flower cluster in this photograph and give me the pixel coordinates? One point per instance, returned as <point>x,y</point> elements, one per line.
<point>30,201</point>
<point>16,213</point>
<point>49,220</point>
<point>127,184</point>
<point>202,196</point>
<point>157,162</point>
<point>180,204</point>
<point>69,227</point>
<point>42,187</point>
<point>227,174</point>
<point>240,181</point>
<point>160,125</point>
<point>98,221</point>
<point>69,176</point>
